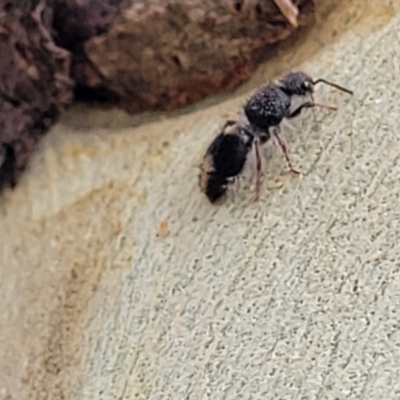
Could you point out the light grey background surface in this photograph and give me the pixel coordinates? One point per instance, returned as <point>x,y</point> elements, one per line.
<point>125,283</point>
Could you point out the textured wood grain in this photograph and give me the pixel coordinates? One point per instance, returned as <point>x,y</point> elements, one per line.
<point>292,297</point>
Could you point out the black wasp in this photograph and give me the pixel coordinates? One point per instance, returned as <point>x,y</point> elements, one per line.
<point>226,156</point>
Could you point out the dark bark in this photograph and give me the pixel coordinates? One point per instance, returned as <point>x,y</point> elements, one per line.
<point>35,82</point>
<point>167,54</point>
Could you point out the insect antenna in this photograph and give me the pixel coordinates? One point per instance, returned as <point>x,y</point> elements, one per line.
<point>343,89</point>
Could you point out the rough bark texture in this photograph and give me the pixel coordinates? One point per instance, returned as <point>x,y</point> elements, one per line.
<point>163,55</point>
<point>35,82</point>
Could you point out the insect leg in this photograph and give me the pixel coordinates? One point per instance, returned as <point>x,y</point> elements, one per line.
<point>258,168</point>
<point>296,112</point>
<point>330,108</point>
<point>284,147</point>
<point>309,104</point>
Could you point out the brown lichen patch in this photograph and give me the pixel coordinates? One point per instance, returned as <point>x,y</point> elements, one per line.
<point>163,229</point>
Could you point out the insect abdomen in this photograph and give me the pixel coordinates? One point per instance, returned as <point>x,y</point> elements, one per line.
<point>216,187</point>
<point>224,160</point>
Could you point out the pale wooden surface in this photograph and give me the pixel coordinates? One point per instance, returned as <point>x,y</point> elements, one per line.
<point>294,297</point>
